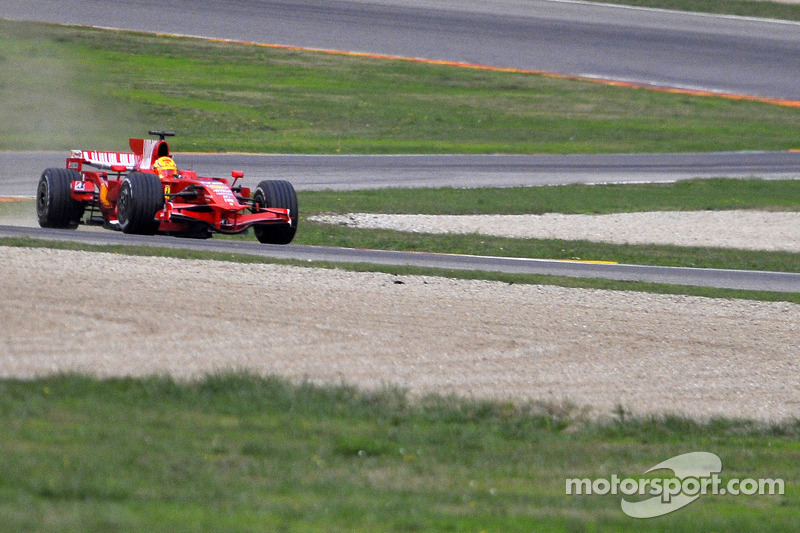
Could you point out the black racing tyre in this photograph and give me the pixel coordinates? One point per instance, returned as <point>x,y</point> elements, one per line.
<point>279,194</point>
<point>55,206</point>
<point>141,196</point>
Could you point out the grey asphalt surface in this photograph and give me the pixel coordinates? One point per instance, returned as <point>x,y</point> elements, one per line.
<point>725,54</point>
<point>728,279</point>
<point>743,56</point>
<point>19,171</point>
<point>356,172</point>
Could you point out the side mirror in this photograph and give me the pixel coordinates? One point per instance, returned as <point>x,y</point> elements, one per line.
<point>237,175</point>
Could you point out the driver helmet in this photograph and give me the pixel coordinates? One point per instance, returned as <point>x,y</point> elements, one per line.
<point>165,167</point>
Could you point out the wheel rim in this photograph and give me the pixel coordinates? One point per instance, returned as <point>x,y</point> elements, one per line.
<point>123,202</point>
<point>41,198</point>
<point>258,199</point>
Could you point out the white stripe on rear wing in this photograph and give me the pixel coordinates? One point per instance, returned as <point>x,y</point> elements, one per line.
<point>106,160</point>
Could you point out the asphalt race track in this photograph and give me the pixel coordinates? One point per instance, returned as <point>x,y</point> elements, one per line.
<point>668,49</point>
<point>19,171</point>
<point>358,172</point>
<point>727,54</point>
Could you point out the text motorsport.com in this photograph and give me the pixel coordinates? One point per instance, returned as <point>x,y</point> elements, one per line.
<point>695,474</point>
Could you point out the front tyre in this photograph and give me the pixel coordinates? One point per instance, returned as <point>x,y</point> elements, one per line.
<point>55,207</point>
<point>141,196</point>
<point>281,195</point>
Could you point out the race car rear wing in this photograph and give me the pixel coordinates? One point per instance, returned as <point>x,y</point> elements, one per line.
<point>103,160</point>
<point>145,152</point>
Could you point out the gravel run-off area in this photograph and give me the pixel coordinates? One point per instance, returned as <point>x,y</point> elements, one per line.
<point>742,229</point>
<point>115,315</point>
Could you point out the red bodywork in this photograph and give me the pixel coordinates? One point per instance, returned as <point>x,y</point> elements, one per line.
<point>190,201</point>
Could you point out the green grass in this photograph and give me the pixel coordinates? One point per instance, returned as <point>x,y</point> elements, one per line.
<point>688,195</point>
<point>16,209</point>
<point>66,87</point>
<point>53,97</point>
<point>718,194</point>
<point>644,254</point>
<point>241,453</point>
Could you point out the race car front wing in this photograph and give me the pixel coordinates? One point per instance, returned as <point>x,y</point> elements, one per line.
<point>227,221</point>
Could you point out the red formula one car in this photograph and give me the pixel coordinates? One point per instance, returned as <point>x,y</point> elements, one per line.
<point>143,192</point>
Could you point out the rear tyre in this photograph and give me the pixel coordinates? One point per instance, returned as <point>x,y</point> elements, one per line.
<point>279,194</point>
<point>141,196</point>
<point>55,207</point>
